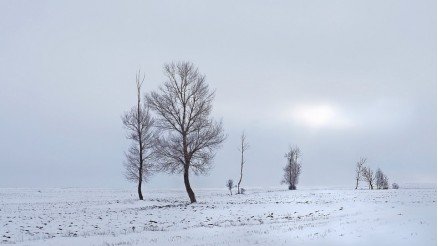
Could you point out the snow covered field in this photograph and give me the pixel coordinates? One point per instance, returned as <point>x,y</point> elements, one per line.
<point>265,217</point>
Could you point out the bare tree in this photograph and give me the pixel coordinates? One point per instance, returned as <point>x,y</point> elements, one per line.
<point>189,136</point>
<point>242,148</point>
<point>381,180</point>
<point>292,170</point>
<point>385,184</point>
<point>395,186</point>
<point>359,167</point>
<point>368,176</point>
<point>230,184</point>
<point>138,123</point>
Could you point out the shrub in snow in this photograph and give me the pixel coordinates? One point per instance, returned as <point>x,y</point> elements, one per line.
<point>230,184</point>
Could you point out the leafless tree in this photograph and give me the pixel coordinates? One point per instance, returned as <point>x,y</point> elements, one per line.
<point>292,170</point>
<point>242,148</point>
<point>189,136</point>
<point>230,184</point>
<point>368,176</point>
<point>395,186</point>
<point>385,184</point>
<point>359,167</point>
<point>381,180</point>
<point>138,123</point>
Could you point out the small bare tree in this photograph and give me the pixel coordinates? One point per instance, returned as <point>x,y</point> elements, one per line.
<point>359,167</point>
<point>230,184</point>
<point>242,148</point>
<point>189,136</point>
<point>368,176</point>
<point>138,123</point>
<point>292,170</point>
<point>395,186</point>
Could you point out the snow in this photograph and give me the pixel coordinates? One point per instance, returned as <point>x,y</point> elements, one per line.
<point>262,216</point>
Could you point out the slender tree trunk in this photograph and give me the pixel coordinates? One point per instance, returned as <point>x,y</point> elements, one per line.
<point>139,134</point>
<point>357,183</point>
<point>290,175</point>
<point>241,174</point>
<point>187,184</point>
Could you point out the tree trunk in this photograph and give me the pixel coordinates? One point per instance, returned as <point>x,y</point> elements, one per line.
<point>140,177</point>
<point>139,134</point>
<point>188,188</point>
<point>140,195</point>
<point>357,183</point>
<point>241,174</point>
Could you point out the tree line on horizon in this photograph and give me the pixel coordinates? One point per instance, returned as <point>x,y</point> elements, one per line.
<point>377,180</point>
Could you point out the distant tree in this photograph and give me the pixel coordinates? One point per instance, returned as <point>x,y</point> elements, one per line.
<point>242,148</point>
<point>381,180</point>
<point>292,170</point>
<point>230,185</point>
<point>359,167</point>
<point>138,123</point>
<point>385,184</point>
<point>395,186</point>
<point>368,176</point>
<point>188,135</point>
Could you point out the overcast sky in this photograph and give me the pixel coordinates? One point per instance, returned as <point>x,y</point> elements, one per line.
<point>339,79</point>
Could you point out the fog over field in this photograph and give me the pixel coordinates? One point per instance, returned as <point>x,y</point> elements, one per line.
<point>340,79</point>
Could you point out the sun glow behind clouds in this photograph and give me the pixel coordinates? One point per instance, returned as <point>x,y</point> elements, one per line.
<point>319,116</point>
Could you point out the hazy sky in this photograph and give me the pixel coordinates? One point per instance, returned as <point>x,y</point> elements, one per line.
<point>339,79</point>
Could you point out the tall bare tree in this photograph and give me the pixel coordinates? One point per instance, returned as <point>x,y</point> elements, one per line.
<point>189,136</point>
<point>292,170</point>
<point>138,123</point>
<point>368,176</point>
<point>359,167</point>
<point>242,148</point>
